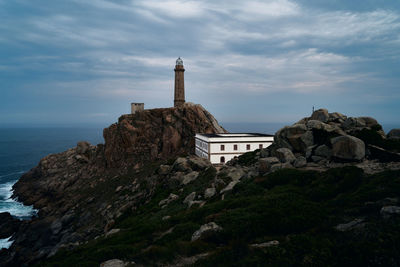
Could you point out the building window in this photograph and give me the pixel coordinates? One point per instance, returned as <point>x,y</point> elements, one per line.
<point>234,147</point>
<point>222,147</point>
<point>260,146</point>
<point>248,147</point>
<point>222,159</point>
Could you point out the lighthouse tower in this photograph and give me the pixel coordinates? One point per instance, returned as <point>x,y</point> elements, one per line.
<point>179,84</point>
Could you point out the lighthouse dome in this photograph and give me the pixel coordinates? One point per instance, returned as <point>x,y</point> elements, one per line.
<point>179,62</point>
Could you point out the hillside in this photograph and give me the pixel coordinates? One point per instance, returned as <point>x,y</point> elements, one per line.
<point>327,192</point>
<point>78,192</point>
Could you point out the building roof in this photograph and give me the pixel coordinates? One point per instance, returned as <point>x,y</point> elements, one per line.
<point>231,135</point>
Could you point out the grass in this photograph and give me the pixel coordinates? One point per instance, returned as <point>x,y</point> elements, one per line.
<point>297,208</point>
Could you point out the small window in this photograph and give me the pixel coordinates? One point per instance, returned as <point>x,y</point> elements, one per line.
<point>248,147</point>
<point>222,147</point>
<point>222,160</point>
<point>234,147</point>
<point>260,146</point>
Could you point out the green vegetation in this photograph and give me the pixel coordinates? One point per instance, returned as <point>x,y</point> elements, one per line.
<point>298,208</point>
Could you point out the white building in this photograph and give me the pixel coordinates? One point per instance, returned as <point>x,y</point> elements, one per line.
<point>220,148</point>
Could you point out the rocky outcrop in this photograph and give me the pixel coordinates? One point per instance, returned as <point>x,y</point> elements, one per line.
<point>8,225</point>
<point>325,139</point>
<point>205,230</point>
<point>82,191</point>
<point>156,134</point>
<point>348,148</point>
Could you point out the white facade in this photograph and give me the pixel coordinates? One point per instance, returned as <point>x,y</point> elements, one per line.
<point>221,148</point>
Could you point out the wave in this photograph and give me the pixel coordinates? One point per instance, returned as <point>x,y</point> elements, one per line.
<point>13,173</point>
<point>15,208</point>
<point>5,243</point>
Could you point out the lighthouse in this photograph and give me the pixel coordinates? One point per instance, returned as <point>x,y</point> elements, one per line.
<point>179,99</point>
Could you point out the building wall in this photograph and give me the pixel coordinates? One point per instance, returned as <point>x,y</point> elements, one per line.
<point>242,147</point>
<point>202,145</point>
<point>135,107</point>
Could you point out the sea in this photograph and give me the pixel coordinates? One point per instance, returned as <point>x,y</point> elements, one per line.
<point>22,148</point>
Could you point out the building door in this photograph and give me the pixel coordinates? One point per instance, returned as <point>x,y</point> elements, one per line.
<point>222,159</point>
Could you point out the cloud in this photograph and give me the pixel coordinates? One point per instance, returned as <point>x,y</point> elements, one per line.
<point>232,49</point>
<point>175,8</point>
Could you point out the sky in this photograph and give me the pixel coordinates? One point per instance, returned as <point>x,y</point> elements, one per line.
<point>84,62</point>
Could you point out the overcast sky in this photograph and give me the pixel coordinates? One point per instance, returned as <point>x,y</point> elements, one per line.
<point>84,61</point>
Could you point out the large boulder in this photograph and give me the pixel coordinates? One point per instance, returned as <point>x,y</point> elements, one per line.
<point>351,123</point>
<point>348,148</point>
<point>8,225</point>
<point>152,134</point>
<point>285,155</point>
<point>369,121</point>
<point>300,162</point>
<point>295,137</point>
<point>337,117</point>
<point>323,151</point>
<point>206,229</point>
<point>320,115</point>
<point>82,147</point>
<point>265,164</point>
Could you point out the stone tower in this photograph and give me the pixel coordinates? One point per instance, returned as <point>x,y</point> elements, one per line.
<point>179,83</point>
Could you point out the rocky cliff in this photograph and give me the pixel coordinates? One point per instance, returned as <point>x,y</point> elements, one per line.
<point>81,191</point>
<point>318,194</point>
<point>156,134</point>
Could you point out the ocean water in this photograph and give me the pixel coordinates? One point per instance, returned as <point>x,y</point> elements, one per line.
<point>21,149</point>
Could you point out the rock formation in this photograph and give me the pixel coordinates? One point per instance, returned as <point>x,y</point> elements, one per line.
<point>156,134</point>
<point>326,140</point>
<point>146,161</point>
<point>80,192</point>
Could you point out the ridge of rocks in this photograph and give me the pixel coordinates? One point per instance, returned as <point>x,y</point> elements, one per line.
<point>80,192</point>
<point>325,140</point>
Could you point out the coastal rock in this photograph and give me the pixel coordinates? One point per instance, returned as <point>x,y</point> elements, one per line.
<point>320,115</point>
<point>266,244</point>
<point>369,121</point>
<point>189,198</point>
<point>264,164</point>
<point>114,263</point>
<point>8,225</point>
<point>323,151</point>
<point>388,211</point>
<point>352,122</point>
<point>356,223</point>
<point>156,134</point>
<point>337,117</point>
<point>348,148</point>
<point>182,165</point>
<point>190,177</point>
<point>206,229</point>
<point>229,187</point>
<point>164,169</point>
<point>198,164</point>
<point>285,155</point>
<point>209,192</point>
<point>300,162</point>
<point>82,147</point>
<point>171,197</point>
